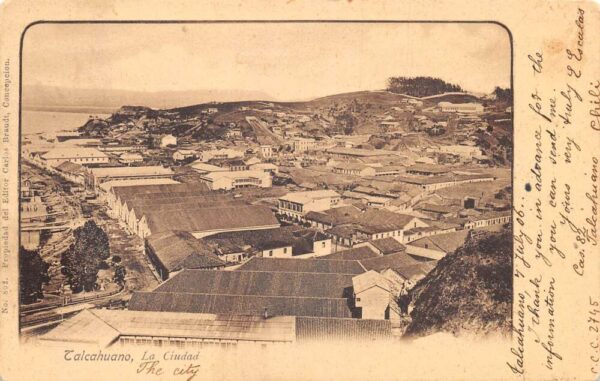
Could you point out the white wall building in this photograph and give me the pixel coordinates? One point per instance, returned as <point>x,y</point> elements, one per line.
<point>266,151</point>
<point>237,179</point>
<point>297,204</point>
<point>463,108</point>
<point>372,294</point>
<point>225,153</point>
<point>168,140</point>
<point>77,155</point>
<point>303,144</point>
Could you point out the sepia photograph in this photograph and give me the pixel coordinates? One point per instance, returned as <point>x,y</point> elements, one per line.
<point>236,186</point>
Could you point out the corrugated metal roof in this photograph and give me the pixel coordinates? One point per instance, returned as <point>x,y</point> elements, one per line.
<point>205,326</point>
<point>161,189</point>
<point>262,283</point>
<point>307,265</point>
<point>358,253</point>
<point>300,239</point>
<point>84,328</point>
<point>131,171</point>
<point>239,304</point>
<point>388,245</point>
<point>178,250</point>
<point>390,261</point>
<point>208,219</point>
<point>446,243</point>
<point>368,280</point>
<point>322,329</point>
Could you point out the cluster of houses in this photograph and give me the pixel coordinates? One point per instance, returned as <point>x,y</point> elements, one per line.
<point>281,264</point>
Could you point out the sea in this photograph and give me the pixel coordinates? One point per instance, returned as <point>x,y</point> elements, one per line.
<point>35,122</point>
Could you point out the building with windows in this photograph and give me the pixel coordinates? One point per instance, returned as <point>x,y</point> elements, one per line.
<point>463,108</point>
<point>189,330</point>
<point>224,153</point>
<point>97,176</point>
<point>303,144</point>
<point>353,169</point>
<point>78,155</point>
<point>184,154</point>
<point>489,219</point>
<point>228,180</point>
<point>296,204</point>
<point>130,158</point>
<point>172,251</point>
<point>266,151</point>
<point>284,242</point>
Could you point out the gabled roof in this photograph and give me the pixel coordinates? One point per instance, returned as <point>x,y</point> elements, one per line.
<point>416,271</point>
<point>240,304</point>
<point>428,168</point>
<point>358,253</point>
<point>69,167</point>
<point>158,190</point>
<point>84,328</point>
<point>308,265</point>
<point>131,171</point>
<point>378,220</point>
<point>335,216</point>
<point>446,243</point>
<point>391,261</point>
<point>73,152</point>
<point>185,325</point>
<point>369,280</point>
<point>301,240</point>
<point>388,245</point>
<point>259,283</point>
<point>210,219</point>
<point>437,208</point>
<point>177,250</point>
<point>308,196</point>
<point>363,330</point>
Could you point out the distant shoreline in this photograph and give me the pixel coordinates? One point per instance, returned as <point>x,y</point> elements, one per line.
<point>72,109</point>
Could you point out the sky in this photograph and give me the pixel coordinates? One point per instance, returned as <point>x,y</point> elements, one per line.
<point>286,61</point>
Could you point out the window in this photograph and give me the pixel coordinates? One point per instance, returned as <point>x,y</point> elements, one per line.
<point>323,244</point>
<point>285,250</point>
<point>270,253</point>
<point>358,299</point>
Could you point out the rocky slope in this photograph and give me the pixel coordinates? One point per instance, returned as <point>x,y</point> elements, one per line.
<point>469,292</point>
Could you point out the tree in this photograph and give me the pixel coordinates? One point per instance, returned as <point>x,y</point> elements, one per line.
<point>504,95</point>
<point>420,86</point>
<point>83,259</point>
<point>119,276</point>
<point>33,272</point>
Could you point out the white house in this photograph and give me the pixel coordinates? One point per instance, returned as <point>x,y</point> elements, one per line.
<point>131,157</point>
<point>77,155</point>
<point>303,144</point>
<point>266,151</point>
<point>463,108</point>
<point>372,294</point>
<point>297,204</point>
<point>228,180</point>
<point>184,154</point>
<point>168,140</point>
<point>225,153</point>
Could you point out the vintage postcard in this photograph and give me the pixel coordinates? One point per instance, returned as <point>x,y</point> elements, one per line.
<point>308,190</point>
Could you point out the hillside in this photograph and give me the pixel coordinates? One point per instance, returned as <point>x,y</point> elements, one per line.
<point>50,97</point>
<point>470,291</point>
<point>270,122</point>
